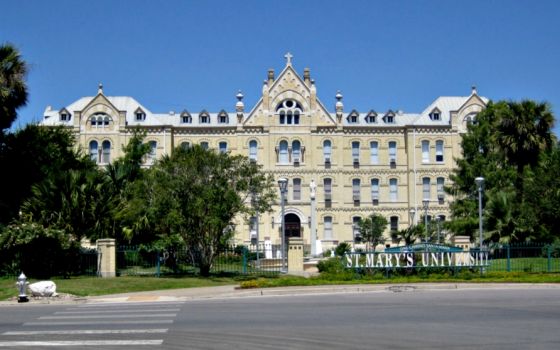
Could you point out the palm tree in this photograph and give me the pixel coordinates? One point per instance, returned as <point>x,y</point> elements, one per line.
<point>13,91</point>
<point>524,131</point>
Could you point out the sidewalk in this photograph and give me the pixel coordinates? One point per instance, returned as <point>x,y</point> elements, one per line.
<point>232,291</point>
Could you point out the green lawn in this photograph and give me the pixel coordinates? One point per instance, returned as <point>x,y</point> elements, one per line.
<point>526,265</point>
<point>90,286</point>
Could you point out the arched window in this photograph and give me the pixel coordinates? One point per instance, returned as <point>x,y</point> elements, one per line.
<point>425,151</point>
<point>253,150</point>
<point>375,190</point>
<point>356,189</point>
<point>222,146</point>
<point>439,151</point>
<point>289,111</point>
<point>106,156</point>
<point>393,190</point>
<point>327,227</point>
<point>185,145</point>
<point>356,151</point>
<point>327,151</point>
<point>296,151</point>
<point>94,151</point>
<point>426,188</point>
<point>356,229</point>
<point>283,153</point>
<point>153,148</point>
<point>392,152</point>
<point>204,145</point>
<point>374,152</point>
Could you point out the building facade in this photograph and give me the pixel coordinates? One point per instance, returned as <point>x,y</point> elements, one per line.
<point>341,166</point>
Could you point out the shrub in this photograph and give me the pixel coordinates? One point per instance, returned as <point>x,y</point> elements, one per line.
<point>342,249</point>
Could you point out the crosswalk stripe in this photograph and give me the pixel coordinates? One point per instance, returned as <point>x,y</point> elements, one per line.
<point>106,322</point>
<point>66,317</point>
<point>89,331</point>
<point>81,343</point>
<point>89,312</point>
<point>129,304</point>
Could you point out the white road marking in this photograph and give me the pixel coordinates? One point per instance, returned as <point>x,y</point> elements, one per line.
<point>81,343</point>
<point>130,304</point>
<point>89,312</point>
<point>106,316</point>
<point>90,331</point>
<point>106,322</point>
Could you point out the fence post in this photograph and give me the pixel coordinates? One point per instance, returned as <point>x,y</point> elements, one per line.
<point>508,268</point>
<point>158,261</point>
<point>549,256</point>
<point>244,260</point>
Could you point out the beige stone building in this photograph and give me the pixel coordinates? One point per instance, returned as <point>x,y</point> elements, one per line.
<point>361,162</point>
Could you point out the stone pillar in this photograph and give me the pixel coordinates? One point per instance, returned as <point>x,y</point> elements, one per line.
<point>295,255</point>
<point>106,258</point>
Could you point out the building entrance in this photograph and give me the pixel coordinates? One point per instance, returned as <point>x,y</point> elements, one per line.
<point>293,225</point>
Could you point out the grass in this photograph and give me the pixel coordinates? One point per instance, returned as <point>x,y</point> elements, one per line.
<point>526,265</point>
<point>91,286</point>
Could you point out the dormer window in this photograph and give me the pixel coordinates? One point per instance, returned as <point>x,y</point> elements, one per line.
<point>389,118</point>
<point>204,118</point>
<point>371,117</point>
<point>64,115</point>
<point>353,117</point>
<point>435,115</point>
<point>223,117</point>
<point>140,115</point>
<point>289,112</point>
<point>186,118</point>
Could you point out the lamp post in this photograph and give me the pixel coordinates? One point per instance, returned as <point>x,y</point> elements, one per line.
<point>479,182</point>
<point>426,203</point>
<point>438,220</point>
<point>283,185</point>
<point>412,212</point>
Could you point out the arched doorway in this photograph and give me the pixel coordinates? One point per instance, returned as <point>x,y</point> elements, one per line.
<point>293,225</point>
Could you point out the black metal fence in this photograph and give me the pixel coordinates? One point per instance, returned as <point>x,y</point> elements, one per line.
<point>525,257</point>
<point>139,261</point>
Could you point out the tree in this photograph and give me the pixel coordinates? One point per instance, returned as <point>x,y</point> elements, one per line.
<point>408,235</point>
<point>32,155</point>
<point>196,194</point>
<point>13,91</point>
<point>506,146</point>
<point>372,228</point>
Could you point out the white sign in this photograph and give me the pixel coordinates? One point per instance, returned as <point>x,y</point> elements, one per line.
<point>410,260</point>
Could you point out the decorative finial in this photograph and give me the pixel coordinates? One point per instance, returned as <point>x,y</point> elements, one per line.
<point>338,95</point>
<point>473,90</point>
<point>100,88</point>
<point>288,57</point>
<point>239,95</point>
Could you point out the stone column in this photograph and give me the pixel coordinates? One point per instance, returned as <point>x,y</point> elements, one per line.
<point>106,258</point>
<point>295,255</point>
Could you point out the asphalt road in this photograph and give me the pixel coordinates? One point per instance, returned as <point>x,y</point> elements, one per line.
<point>430,319</point>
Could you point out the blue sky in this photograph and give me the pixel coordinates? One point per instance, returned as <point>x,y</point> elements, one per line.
<point>172,55</point>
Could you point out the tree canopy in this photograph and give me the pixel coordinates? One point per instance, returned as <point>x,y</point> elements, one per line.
<point>13,90</point>
<point>509,145</point>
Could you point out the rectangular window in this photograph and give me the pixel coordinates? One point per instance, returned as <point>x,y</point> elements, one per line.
<point>297,189</point>
<point>392,152</point>
<point>356,151</point>
<point>394,223</point>
<point>439,151</point>
<point>393,190</point>
<point>327,225</point>
<point>356,189</point>
<point>356,228</point>
<point>440,183</point>
<point>425,151</point>
<point>327,150</point>
<point>374,189</point>
<point>374,152</point>
<point>426,188</point>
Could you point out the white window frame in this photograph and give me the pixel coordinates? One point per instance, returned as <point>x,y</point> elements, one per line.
<point>425,151</point>
<point>374,152</point>
<point>394,189</point>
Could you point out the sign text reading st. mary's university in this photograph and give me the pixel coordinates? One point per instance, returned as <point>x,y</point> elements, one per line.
<point>374,260</point>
